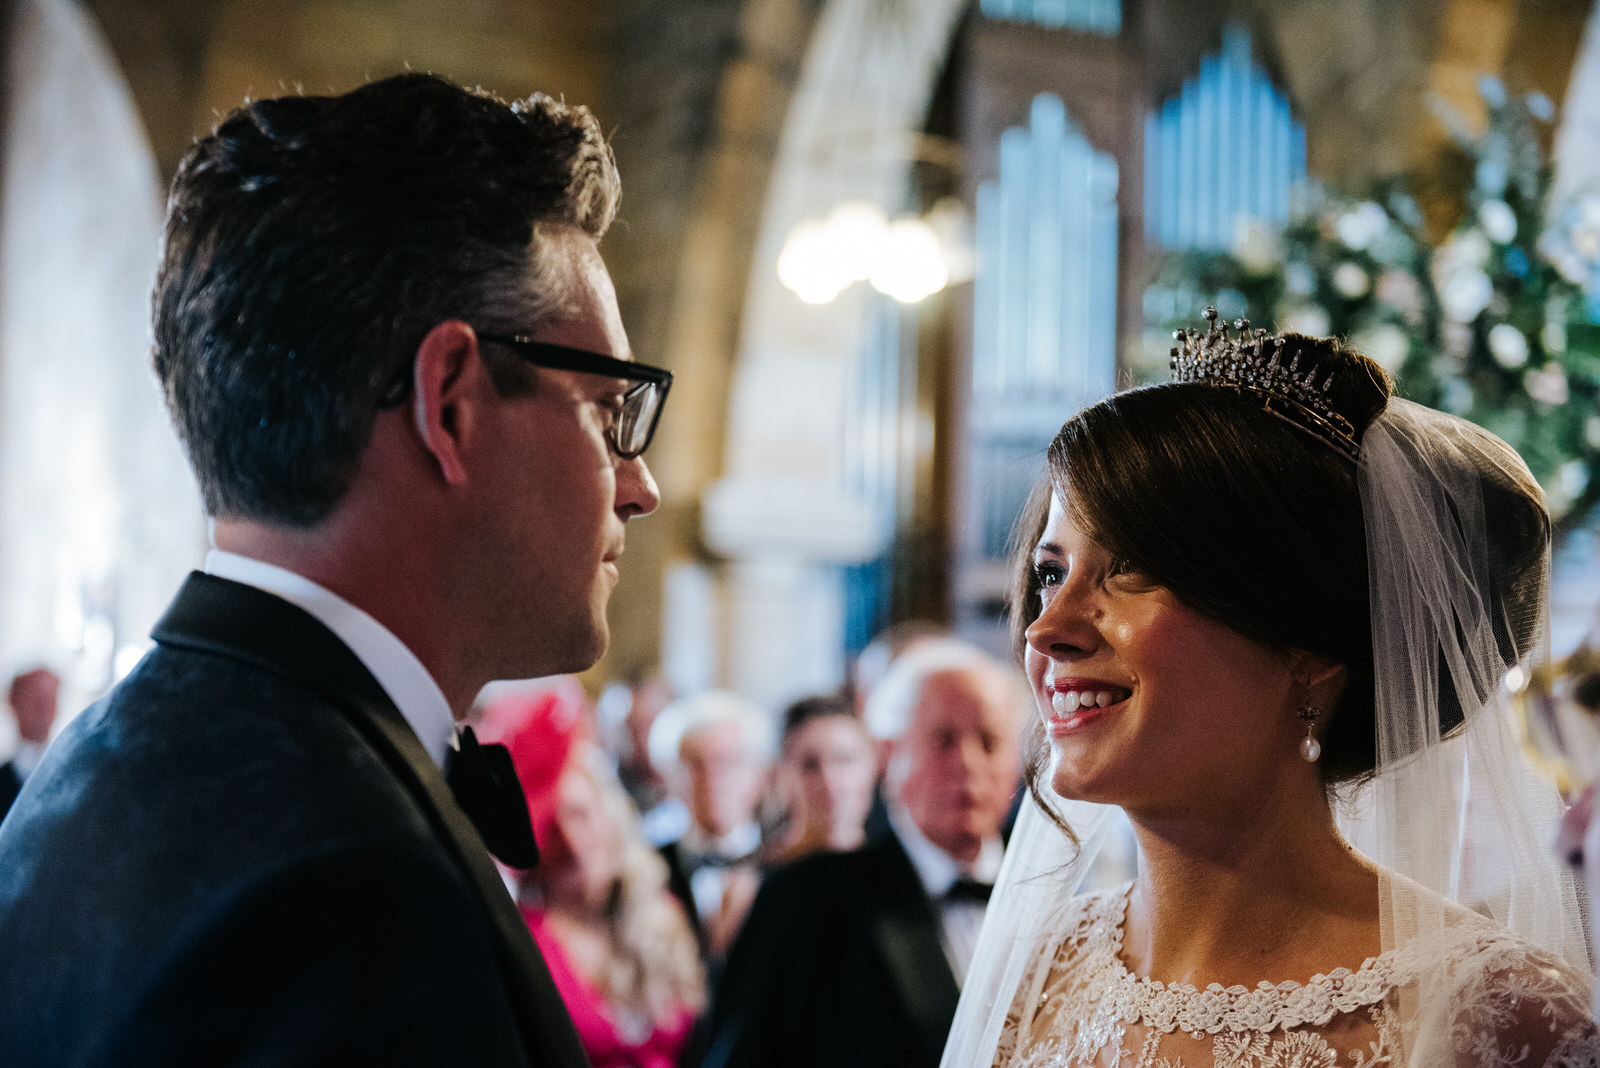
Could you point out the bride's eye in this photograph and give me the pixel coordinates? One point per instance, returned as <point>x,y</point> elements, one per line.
<point>1124,576</point>
<point>1047,575</point>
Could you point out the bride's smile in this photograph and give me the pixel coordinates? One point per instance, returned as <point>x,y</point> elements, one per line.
<point>1077,703</point>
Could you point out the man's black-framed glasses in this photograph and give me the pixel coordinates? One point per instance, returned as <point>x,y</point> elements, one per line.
<point>642,402</point>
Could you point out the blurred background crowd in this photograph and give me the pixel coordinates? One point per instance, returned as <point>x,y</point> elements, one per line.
<point>658,817</point>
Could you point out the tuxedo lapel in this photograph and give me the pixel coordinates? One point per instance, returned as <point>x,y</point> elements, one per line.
<point>216,615</point>
<point>551,1031</point>
<point>908,940</point>
<point>231,619</point>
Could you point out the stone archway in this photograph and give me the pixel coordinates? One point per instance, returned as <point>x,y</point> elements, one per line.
<point>781,518</point>
<point>100,517</point>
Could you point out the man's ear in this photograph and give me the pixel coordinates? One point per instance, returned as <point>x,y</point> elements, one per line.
<point>449,375</point>
<point>895,760</point>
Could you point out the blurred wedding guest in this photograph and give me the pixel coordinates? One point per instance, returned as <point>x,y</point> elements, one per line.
<point>713,748</point>
<point>868,669</point>
<point>627,710</point>
<point>32,699</point>
<point>617,942</point>
<point>1566,705</point>
<point>855,959</point>
<point>827,767</point>
<point>872,663</point>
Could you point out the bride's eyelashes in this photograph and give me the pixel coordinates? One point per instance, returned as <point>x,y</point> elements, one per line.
<point>1048,575</point>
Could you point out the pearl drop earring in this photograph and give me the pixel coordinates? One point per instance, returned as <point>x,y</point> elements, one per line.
<point>1310,748</point>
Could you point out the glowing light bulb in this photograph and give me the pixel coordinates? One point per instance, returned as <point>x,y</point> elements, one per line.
<point>806,264</point>
<point>857,230</point>
<point>910,265</point>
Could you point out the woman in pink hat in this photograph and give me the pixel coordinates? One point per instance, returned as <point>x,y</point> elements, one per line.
<point>617,943</point>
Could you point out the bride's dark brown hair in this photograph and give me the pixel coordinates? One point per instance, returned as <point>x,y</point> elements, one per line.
<point>1244,517</point>
<point>1257,523</point>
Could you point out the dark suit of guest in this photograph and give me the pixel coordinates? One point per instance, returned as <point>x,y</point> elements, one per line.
<point>244,855</point>
<point>682,865</point>
<point>10,784</point>
<point>679,886</point>
<point>839,964</point>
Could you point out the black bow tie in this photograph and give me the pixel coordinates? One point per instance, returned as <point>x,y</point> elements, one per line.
<point>968,890</point>
<point>485,784</point>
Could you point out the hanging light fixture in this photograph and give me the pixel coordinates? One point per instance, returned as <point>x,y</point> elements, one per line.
<point>821,258</point>
<point>908,259</point>
<point>862,156</point>
<point>909,264</point>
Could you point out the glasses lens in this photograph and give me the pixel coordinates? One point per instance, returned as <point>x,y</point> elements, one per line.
<point>640,408</point>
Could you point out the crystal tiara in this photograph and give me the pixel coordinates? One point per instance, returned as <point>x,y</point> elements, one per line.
<point>1253,362</point>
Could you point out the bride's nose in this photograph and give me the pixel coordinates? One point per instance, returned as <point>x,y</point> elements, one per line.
<point>1065,628</point>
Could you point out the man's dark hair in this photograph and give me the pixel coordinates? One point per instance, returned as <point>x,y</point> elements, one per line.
<point>806,709</point>
<point>311,244</point>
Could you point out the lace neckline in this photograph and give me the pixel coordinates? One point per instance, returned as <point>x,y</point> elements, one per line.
<point>1268,1006</point>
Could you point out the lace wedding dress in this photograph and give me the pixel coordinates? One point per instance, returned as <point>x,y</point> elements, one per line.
<point>1509,1004</point>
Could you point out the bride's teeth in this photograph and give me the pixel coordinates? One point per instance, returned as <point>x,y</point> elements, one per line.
<point>1065,702</point>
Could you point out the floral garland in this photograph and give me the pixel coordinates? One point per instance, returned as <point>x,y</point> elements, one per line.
<point>1499,324</point>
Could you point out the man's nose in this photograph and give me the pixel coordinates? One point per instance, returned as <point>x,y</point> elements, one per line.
<point>835,781</point>
<point>637,492</point>
<point>971,759</point>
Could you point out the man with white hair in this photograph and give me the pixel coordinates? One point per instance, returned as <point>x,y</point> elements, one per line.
<point>713,749</point>
<point>856,958</point>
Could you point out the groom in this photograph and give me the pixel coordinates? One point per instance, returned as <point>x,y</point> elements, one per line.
<point>394,358</point>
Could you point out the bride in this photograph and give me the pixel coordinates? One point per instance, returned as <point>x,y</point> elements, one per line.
<point>1268,612</point>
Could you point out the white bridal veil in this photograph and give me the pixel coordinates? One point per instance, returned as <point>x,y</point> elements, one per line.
<point>1459,823</point>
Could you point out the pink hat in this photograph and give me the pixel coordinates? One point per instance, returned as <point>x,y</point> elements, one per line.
<point>541,728</point>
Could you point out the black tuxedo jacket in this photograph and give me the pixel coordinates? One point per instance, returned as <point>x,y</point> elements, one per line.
<point>244,855</point>
<point>839,964</point>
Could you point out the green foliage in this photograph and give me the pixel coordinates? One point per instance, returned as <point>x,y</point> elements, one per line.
<point>1499,324</point>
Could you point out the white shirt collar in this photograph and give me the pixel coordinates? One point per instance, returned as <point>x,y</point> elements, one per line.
<point>739,842</point>
<point>938,869</point>
<point>396,668</point>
